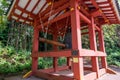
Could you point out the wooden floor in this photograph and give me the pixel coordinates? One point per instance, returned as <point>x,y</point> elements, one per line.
<point>69,73</point>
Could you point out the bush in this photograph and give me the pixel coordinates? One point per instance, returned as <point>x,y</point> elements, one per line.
<point>114,58</point>
<point>13,62</point>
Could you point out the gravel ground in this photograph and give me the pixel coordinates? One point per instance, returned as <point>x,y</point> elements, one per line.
<point>104,77</point>
<point>111,76</point>
<point>20,78</point>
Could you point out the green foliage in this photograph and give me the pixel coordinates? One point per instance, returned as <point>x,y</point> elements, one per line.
<point>3,19</point>
<point>13,62</point>
<point>112,45</point>
<point>62,61</point>
<point>114,58</point>
<point>110,37</point>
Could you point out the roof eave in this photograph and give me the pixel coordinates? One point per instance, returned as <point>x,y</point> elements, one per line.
<point>10,7</point>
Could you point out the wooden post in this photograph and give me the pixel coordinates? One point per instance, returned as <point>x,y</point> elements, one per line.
<point>55,59</point>
<point>102,48</point>
<point>68,62</point>
<point>34,50</point>
<point>76,41</point>
<point>93,46</point>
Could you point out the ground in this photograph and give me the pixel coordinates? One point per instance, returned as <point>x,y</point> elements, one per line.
<point>104,77</point>
<point>111,76</point>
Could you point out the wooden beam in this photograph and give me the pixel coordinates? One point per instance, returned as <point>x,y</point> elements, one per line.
<point>85,52</point>
<point>55,5</point>
<point>97,7</point>
<point>97,28</point>
<point>61,8</point>
<point>93,46</point>
<point>30,13</point>
<point>87,20</point>
<point>78,70</point>
<point>24,9</point>
<point>51,42</point>
<point>84,28</point>
<point>41,9</point>
<point>102,48</point>
<point>56,19</point>
<point>14,7</point>
<point>50,70</point>
<point>14,14</point>
<point>96,13</point>
<point>65,53</point>
<point>35,49</point>
<point>95,4</point>
<point>82,16</point>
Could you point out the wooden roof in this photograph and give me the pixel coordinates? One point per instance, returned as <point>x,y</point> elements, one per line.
<point>28,10</point>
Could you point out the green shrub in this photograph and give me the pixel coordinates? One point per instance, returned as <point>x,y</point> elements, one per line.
<point>13,62</point>
<point>114,58</point>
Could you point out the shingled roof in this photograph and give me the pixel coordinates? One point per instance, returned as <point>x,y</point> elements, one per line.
<point>25,10</point>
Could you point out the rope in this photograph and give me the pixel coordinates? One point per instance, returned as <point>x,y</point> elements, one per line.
<point>41,23</point>
<point>49,20</point>
<point>66,27</point>
<point>62,38</point>
<point>45,34</point>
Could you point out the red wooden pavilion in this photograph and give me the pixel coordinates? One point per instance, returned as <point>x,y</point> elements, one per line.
<point>51,16</point>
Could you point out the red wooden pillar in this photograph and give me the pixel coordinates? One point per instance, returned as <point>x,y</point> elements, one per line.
<point>68,62</point>
<point>55,59</point>
<point>76,41</point>
<point>102,48</point>
<point>93,46</point>
<point>34,50</point>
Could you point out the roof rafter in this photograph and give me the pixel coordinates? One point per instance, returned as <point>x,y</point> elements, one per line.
<point>24,9</point>
<point>97,7</point>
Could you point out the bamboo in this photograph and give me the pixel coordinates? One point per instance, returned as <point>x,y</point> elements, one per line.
<point>52,42</point>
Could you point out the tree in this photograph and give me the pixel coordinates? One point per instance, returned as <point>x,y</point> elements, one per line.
<point>3,20</point>
<point>111,38</point>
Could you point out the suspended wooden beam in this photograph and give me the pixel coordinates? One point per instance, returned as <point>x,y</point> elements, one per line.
<point>52,42</point>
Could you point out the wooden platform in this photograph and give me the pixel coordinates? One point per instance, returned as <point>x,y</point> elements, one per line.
<point>65,75</point>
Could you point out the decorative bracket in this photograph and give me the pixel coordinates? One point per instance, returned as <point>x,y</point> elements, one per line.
<point>75,52</point>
